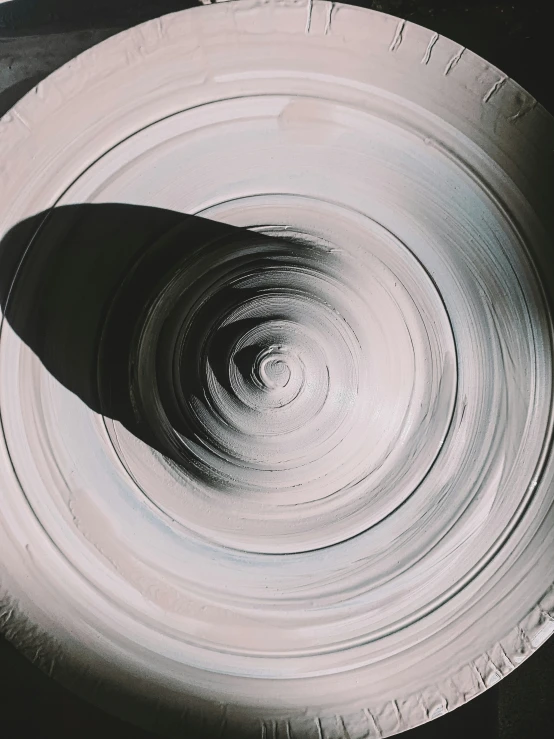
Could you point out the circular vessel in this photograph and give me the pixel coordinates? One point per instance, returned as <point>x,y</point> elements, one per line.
<point>276,373</point>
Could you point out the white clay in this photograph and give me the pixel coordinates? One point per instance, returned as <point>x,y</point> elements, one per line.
<point>369,542</point>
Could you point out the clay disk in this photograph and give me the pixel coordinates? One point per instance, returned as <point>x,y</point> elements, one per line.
<point>276,373</point>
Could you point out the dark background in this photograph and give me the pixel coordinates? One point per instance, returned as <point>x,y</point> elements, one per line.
<point>36,37</point>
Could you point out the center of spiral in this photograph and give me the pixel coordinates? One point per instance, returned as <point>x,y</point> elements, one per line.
<point>271,369</point>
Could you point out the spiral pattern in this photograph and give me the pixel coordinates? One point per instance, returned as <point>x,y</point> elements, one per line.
<point>317,487</point>
<point>291,383</point>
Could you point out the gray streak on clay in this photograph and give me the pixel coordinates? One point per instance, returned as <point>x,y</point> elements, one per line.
<point>309,9</point>
<point>329,17</point>
<point>427,56</point>
<point>494,89</point>
<point>397,40</point>
<point>454,61</point>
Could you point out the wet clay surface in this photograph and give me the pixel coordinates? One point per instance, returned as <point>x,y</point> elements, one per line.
<point>46,56</point>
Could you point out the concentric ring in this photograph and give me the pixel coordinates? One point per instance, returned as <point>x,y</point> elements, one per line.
<point>281,441</point>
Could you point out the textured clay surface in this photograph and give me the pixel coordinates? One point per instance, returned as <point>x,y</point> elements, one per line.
<point>276,373</point>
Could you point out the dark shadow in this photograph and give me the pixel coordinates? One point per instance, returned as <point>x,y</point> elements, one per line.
<point>10,96</point>
<point>77,285</point>
<point>224,341</point>
<point>34,705</point>
<point>62,269</point>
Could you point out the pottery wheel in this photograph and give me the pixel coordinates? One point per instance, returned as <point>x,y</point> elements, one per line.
<point>276,373</point>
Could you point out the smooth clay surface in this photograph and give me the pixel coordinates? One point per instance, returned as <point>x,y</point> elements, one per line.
<point>301,483</point>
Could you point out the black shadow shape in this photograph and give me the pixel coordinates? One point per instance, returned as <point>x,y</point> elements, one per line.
<point>76,275</point>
